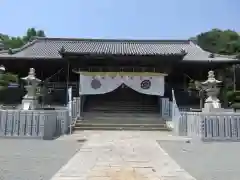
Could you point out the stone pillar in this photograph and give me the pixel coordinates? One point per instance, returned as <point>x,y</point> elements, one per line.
<point>165,111</point>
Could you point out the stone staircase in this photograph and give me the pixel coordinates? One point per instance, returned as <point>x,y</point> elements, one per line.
<point>121,110</point>
<point>142,125</point>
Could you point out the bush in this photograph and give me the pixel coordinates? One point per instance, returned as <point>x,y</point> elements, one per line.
<point>9,77</point>
<point>6,79</point>
<point>230,96</point>
<point>234,98</point>
<point>235,106</point>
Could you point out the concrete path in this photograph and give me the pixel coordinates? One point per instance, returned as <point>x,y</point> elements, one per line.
<point>121,155</point>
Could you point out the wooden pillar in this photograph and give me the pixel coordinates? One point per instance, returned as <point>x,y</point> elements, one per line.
<point>67,79</point>
<point>221,75</point>
<point>80,96</point>
<point>234,78</point>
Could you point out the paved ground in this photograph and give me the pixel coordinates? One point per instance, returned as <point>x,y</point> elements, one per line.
<point>206,161</point>
<point>121,155</point>
<point>118,155</point>
<point>34,159</point>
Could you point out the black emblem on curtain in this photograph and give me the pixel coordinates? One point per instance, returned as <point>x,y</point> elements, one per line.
<point>145,84</point>
<point>96,84</point>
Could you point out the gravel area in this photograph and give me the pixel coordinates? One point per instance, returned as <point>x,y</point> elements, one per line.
<point>206,161</point>
<point>22,159</point>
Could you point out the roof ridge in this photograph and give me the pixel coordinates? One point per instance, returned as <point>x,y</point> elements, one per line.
<point>197,46</point>
<point>115,40</point>
<point>28,44</point>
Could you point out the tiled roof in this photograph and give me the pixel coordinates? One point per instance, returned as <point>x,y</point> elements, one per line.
<point>50,47</point>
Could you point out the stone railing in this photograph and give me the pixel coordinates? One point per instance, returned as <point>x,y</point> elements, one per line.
<point>44,124</point>
<point>166,108</point>
<point>75,112</point>
<point>219,126</point>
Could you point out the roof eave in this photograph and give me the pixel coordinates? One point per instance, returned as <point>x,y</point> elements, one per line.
<point>29,58</point>
<point>215,60</point>
<point>74,54</point>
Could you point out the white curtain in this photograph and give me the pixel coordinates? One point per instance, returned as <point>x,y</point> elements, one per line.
<point>151,85</point>
<point>98,84</point>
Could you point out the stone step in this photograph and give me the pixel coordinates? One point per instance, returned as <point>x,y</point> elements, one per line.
<point>105,101</point>
<point>123,118</point>
<point>122,102</point>
<point>129,113</point>
<point>122,107</point>
<point>121,110</point>
<point>126,104</point>
<point>132,128</point>
<point>119,120</point>
<point>88,124</point>
<point>121,114</point>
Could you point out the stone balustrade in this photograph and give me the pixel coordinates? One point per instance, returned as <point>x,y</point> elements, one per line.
<point>42,124</point>
<point>214,126</point>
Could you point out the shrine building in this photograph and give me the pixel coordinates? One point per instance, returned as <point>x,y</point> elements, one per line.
<point>111,75</point>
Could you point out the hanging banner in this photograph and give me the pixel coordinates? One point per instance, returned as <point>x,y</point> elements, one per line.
<point>101,84</point>
<point>151,85</point>
<point>98,84</point>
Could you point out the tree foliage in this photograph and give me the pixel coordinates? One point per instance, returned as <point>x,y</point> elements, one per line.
<point>6,79</point>
<point>17,42</point>
<point>8,42</point>
<point>226,42</point>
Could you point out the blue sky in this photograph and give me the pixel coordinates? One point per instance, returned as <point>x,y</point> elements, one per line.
<point>135,19</point>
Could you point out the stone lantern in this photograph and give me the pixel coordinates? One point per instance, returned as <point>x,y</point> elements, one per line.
<point>211,87</point>
<point>30,100</point>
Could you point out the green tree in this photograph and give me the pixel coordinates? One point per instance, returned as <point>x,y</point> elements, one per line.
<point>17,42</point>
<point>225,42</point>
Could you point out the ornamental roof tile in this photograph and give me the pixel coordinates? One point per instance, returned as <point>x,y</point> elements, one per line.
<point>48,48</point>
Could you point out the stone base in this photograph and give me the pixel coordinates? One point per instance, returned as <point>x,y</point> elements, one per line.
<point>211,106</point>
<point>217,110</point>
<point>29,104</point>
<point>170,125</point>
